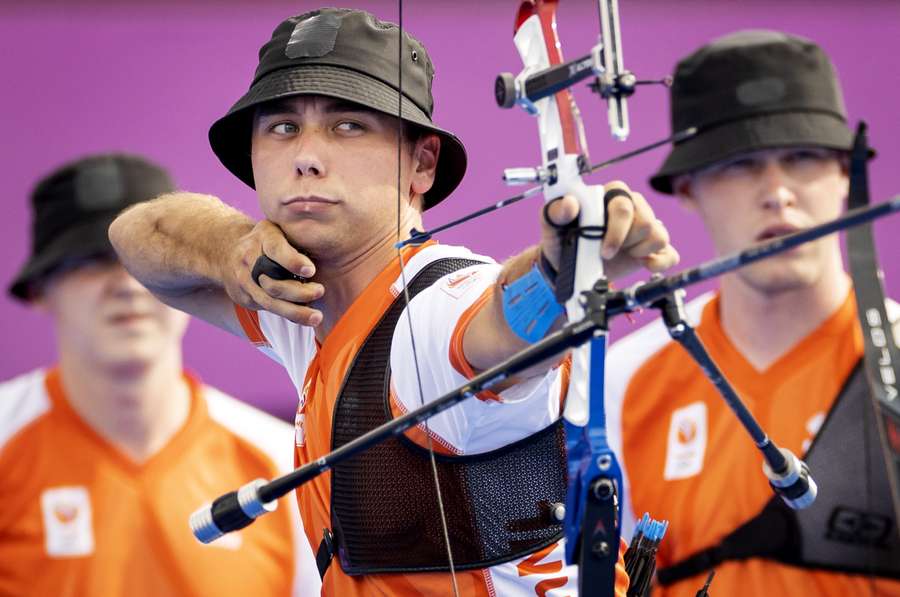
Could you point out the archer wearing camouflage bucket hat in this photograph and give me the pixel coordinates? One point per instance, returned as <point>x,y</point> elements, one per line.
<point>349,55</point>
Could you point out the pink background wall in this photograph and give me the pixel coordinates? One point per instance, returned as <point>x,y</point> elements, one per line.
<point>151,77</point>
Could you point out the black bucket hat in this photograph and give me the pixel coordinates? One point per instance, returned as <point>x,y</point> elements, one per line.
<point>73,207</point>
<point>753,90</point>
<point>349,55</point>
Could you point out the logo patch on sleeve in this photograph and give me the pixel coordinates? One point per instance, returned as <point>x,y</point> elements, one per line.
<point>686,445</point>
<point>457,283</point>
<point>68,522</point>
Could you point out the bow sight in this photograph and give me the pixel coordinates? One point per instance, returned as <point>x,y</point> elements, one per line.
<point>604,62</point>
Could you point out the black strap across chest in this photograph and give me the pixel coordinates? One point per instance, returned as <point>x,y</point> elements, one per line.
<point>384,511</point>
<point>850,527</point>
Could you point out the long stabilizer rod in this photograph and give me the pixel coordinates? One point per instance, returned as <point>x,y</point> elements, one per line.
<point>239,508</point>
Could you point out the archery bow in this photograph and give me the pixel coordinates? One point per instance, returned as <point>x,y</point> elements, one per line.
<point>594,477</point>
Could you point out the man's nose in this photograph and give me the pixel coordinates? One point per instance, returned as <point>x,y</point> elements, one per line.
<point>308,159</point>
<point>121,283</point>
<point>776,188</point>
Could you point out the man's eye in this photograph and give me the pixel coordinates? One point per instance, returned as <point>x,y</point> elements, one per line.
<point>348,126</point>
<point>284,128</point>
<point>744,165</point>
<point>805,156</point>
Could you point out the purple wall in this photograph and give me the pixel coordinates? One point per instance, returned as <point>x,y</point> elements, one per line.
<point>151,77</point>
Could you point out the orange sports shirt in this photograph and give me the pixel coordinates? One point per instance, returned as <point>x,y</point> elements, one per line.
<point>688,460</point>
<point>440,315</point>
<point>78,518</point>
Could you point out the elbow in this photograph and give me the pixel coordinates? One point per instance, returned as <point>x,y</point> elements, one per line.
<point>116,231</point>
<point>128,229</point>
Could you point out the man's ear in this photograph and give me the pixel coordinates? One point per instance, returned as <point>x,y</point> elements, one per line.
<point>425,160</point>
<point>843,158</point>
<point>39,302</point>
<point>683,189</point>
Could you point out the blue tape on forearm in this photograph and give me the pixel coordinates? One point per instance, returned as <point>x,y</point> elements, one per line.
<point>529,306</point>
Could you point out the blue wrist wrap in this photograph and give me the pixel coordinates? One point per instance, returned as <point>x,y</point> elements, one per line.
<point>529,306</point>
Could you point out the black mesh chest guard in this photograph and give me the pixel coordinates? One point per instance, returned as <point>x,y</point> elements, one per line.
<point>849,528</point>
<point>384,511</point>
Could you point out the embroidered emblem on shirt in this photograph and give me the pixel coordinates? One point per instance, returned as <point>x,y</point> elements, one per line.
<point>300,430</point>
<point>68,522</point>
<point>457,283</point>
<point>300,417</point>
<point>687,442</point>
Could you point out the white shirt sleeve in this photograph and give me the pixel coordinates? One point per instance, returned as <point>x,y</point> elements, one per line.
<point>476,424</point>
<point>291,345</point>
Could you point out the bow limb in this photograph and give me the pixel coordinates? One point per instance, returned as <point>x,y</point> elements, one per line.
<point>881,356</point>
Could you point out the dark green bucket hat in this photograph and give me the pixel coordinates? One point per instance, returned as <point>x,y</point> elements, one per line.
<point>73,207</point>
<point>349,55</point>
<point>753,90</point>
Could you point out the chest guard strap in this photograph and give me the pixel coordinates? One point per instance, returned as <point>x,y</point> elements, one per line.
<point>384,510</point>
<point>850,528</point>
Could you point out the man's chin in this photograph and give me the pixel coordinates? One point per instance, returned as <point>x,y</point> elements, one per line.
<point>126,367</point>
<point>314,242</point>
<point>778,278</point>
<point>128,359</point>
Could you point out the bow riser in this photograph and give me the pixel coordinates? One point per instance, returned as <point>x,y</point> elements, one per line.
<point>590,523</point>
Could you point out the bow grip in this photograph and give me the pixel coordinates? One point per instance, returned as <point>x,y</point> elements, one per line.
<point>580,264</point>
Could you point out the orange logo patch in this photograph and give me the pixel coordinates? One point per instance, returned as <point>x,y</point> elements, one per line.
<point>65,513</point>
<point>687,431</point>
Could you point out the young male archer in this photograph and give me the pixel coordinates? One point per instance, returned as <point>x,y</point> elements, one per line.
<point>317,136</point>
<point>770,158</point>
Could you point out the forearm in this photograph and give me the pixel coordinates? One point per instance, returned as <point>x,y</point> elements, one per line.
<point>489,339</point>
<point>177,244</point>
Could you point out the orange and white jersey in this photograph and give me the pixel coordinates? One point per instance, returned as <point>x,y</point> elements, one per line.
<point>686,458</point>
<point>81,518</point>
<point>438,316</point>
